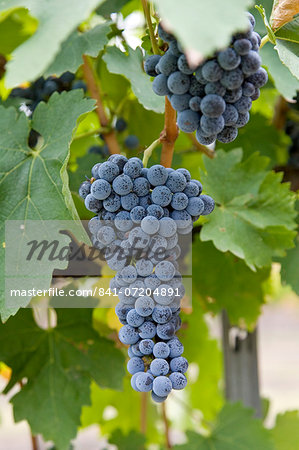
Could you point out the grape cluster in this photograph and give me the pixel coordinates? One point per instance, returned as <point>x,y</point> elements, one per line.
<point>42,89</point>
<point>141,216</point>
<point>215,97</point>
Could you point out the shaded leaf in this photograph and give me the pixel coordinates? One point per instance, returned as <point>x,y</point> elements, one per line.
<point>254,219</point>
<point>235,428</point>
<point>130,66</point>
<point>77,44</point>
<point>30,59</point>
<point>290,31</point>
<point>43,192</point>
<point>191,22</point>
<point>110,6</point>
<point>59,364</point>
<point>289,55</point>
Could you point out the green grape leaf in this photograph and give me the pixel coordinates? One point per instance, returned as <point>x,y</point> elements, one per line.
<point>254,218</point>
<point>15,27</point>
<point>110,6</point>
<point>290,31</point>
<point>235,428</point>
<point>289,54</point>
<point>191,22</point>
<point>283,79</point>
<point>119,401</point>
<point>223,281</point>
<point>285,434</point>
<point>59,364</point>
<point>132,441</point>
<point>130,66</point>
<point>56,21</point>
<point>203,392</point>
<point>261,135</point>
<point>43,192</point>
<point>78,44</point>
<point>289,267</point>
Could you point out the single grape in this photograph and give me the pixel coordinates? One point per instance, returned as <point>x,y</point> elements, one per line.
<point>199,76</point>
<point>152,282</point>
<point>95,170</point>
<point>165,270</point>
<point>211,71</point>
<point>92,204</point>
<point>146,346</point>
<point>144,306</point>
<point>209,204</point>
<point>159,366</point>
<point>178,83</point>
<point>212,126</point>
<point>133,168</point>
<point>232,79</point>
<point>251,63</point>
<point>228,59</point>
<point>106,235</point>
<point>243,119</point>
<point>215,88</point>
<point>147,330</point>
<point>135,365</point>
<point>179,364</point>
<point>100,189</point>
<point>256,94</point>
<point>157,398</point>
<point>162,386</point>
<point>135,350</point>
<point>145,201</point>
<point>242,46</point>
<point>259,78</point>
<point>168,227</point>
<point>84,189</point>
<point>141,186</point>
<point>212,105</point>
<point>144,267</point>
<point>178,380</point>
<point>188,120</point>
<point>133,381</point>
<point>128,335</point>
<point>183,65</point>
<point>195,206</point>
<point>94,225</point>
<point>164,35</point>
<point>138,239</point>
<point>168,64</point>
<point>180,102</point>
<point>176,182</point>
<point>155,211</point>
<point>179,201</point>
<point>181,218</point>
<point>108,171</point>
<point>131,142</point>
<point>150,64</point>
<point>150,225</point>
<point>194,103</point>
<point>230,115</point>
<point>134,319</point>
<point>79,84</point>
<point>231,96</point>
<point>112,203</point>
<point>137,214</point>
<point>122,184</point>
<point>243,105</point>
<point>161,195</point>
<point>165,331</point>
<point>160,85</point>
<point>122,310</point>
<point>161,350</point>
<point>144,382</point>
<point>161,314</point>
<point>129,201</point>
<point>248,89</point>
<point>228,134</point>
<point>203,138</point>
<point>174,48</point>
<point>176,348</point>
<point>157,175</point>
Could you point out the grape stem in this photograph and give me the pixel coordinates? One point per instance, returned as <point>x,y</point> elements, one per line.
<point>264,41</point>
<point>166,425</point>
<point>95,91</point>
<point>200,147</point>
<point>149,150</point>
<point>169,135</point>
<point>91,133</point>
<point>147,15</point>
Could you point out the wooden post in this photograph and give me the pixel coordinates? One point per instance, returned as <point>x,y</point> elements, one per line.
<point>241,366</point>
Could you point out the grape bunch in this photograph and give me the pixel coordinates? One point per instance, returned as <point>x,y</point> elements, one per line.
<point>141,216</point>
<point>215,97</point>
<point>42,89</point>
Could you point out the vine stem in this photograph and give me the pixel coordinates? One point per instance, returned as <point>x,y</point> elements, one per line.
<point>264,41</point>
<point>200,147</point>
<point>94,88</point>
<point>147,15</point>
<point>143,413</point>
<point>148,152</point>
<point>166,425</point>
<point>169,135</point>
